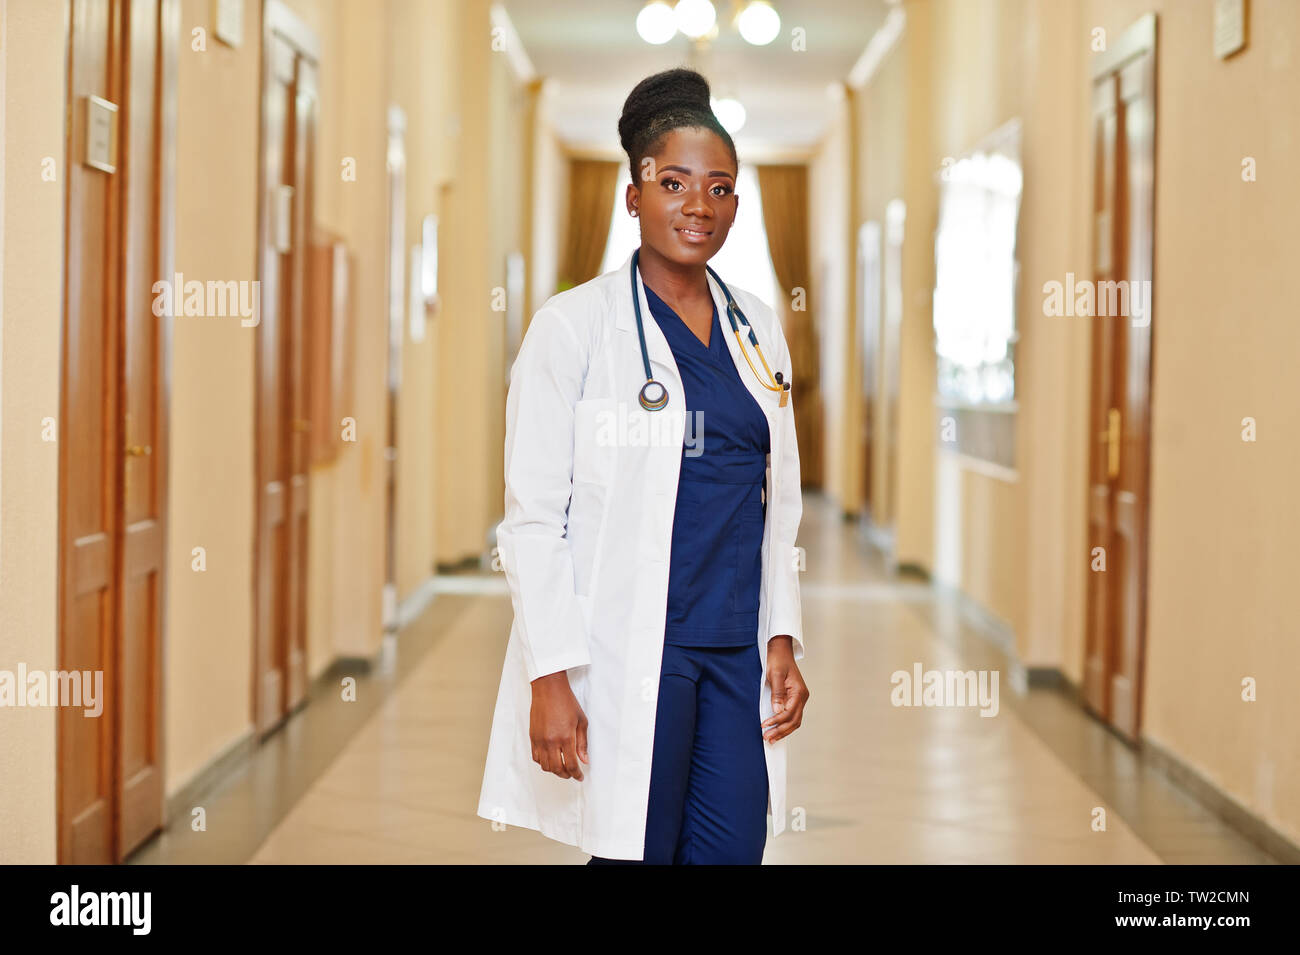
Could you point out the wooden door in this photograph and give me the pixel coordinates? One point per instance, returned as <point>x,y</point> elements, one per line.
<point>113,423</point>
<point>1119,465</point>
<point>891,363</point>
<point>869,298</point>
<point>289,109</point>
<point>397,295</point>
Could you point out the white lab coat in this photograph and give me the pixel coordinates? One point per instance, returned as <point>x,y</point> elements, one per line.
<point>591,487</point>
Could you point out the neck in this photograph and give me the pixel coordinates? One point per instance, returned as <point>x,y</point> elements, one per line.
<point>672,281</point>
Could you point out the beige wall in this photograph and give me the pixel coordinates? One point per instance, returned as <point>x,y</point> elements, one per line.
<point>491,110</point>
<point>1221,521</point>
<point>208,629</point>
<point>960,70</point>
<point>914,525</point>
<point>831,256</point>
<point>550,204</point>
<point>882,105</point>
<point>372,55</point>
<point>32,74</point>
<point>346,558</point>
<point>422,36</point>
<point>209,618</point>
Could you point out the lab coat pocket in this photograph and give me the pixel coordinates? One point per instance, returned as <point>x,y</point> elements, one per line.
<point>749,559</point>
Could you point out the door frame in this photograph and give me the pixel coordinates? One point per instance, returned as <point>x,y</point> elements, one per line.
<point>1097,689</point>
<point>396,255</point>
<point>277,19</point>
<point>166,63</point>
<point>869,262</point>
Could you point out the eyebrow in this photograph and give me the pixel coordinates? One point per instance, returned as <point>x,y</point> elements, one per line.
<point>713,173</point>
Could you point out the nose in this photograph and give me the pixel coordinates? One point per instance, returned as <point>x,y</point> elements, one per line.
<point>695,204</point>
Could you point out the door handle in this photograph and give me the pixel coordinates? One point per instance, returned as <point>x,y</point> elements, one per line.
<point>138,450</point>
<point>1112,438</point>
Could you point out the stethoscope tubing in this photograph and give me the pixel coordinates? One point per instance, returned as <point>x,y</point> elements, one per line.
<point>653,402</point>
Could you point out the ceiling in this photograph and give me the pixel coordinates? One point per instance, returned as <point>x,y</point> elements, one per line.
<point>591,51</point>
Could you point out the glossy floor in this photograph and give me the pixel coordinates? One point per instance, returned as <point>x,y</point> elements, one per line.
<point>394,777</point>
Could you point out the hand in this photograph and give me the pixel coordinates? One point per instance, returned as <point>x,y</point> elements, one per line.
<point>557,726</point>
<point>789,692</point>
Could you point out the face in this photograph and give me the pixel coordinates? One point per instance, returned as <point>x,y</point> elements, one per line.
<point>686,198</point>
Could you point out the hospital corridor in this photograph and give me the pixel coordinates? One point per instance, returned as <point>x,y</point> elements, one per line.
<point>390,786</point>
<point>546,432</point>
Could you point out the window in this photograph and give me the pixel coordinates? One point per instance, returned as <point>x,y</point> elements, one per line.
<point>975,273</point>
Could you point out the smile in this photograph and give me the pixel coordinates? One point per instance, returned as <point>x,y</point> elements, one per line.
<point>694,234</point>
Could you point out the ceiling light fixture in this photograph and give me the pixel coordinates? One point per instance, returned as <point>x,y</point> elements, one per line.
<point>656,23</point>
<point>659,21</point>
<point>730,113</point>
<point>695,18</point>
<point>758,23</point>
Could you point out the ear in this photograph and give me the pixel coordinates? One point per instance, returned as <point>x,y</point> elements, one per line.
<point>632,198</point>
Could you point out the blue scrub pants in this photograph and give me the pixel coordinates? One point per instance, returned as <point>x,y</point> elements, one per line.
<point>708,778</point>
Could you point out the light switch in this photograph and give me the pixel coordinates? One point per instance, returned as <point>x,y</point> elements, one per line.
<point>282,227</point>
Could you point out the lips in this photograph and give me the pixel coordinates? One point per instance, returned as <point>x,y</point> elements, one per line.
<point>693,235</point>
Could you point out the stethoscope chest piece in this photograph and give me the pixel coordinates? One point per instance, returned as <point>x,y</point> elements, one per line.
<point>654,395</point>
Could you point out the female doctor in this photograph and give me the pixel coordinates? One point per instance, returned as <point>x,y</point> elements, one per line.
<point>651,507</point>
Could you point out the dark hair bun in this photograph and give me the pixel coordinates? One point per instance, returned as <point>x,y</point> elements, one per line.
<point>659,93</point>
<point>661,103</point>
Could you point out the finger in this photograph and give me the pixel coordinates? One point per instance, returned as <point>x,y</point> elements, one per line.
<point>788,723</point>
<point>780,719</point>
<point>582,742</point>
<point>776,680</point>
<point>781,733</point>
<point>782,704</point>
<point>570,755</point>
<point>557,762</point>
<point>791,711</point>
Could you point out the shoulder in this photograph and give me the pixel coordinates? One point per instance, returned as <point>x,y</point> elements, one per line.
<point>588,303</point>
<point>576,318</point>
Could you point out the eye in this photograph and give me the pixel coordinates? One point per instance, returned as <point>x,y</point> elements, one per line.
<point>726,190</point>
<point>669,183</point>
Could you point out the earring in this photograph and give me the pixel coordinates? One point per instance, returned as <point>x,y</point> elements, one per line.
<point>633,213</point>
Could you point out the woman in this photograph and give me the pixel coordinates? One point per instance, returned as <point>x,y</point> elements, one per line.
<point>652,502</point>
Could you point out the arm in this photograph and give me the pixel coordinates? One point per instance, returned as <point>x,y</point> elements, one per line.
<point>546,382</point>
<point>785,641</point>
<point>787,610</point>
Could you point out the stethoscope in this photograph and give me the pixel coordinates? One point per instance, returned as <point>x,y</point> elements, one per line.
<point>654,395</point>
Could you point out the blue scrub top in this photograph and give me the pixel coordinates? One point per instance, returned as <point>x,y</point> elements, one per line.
<point>716,560</point>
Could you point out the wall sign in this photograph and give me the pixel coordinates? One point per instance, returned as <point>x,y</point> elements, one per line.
<point>101,134</point>
<point>1229,27</point>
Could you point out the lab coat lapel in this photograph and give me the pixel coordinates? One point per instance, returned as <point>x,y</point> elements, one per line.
<point>767,400</point>
<point>662,363</point>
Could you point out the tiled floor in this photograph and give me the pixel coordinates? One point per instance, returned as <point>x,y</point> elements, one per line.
<point>873,782</point>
